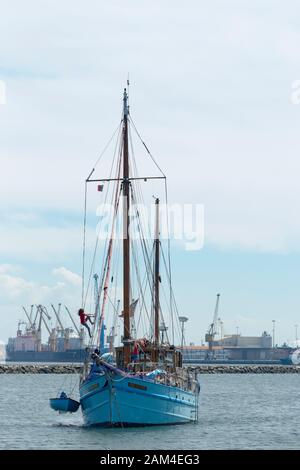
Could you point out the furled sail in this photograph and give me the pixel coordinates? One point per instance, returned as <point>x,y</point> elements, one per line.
<point>132,308</point>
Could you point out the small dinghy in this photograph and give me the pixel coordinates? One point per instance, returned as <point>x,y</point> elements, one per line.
<point>64,404</point>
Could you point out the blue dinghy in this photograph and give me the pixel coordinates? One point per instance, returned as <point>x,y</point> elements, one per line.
<point>64,404</point>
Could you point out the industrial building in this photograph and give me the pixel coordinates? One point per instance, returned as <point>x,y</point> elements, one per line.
<point>238,341</point>
<point>236,348</point>
<point>247,348</point>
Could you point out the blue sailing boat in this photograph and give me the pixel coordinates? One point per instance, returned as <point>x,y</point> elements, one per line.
<point>145,384</point>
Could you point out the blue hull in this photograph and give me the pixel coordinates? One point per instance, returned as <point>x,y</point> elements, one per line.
<point>71,355</point>
<point>134,401</point>
<point>64,404</point>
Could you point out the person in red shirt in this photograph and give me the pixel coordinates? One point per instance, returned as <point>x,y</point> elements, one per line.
<point>135,355</point>
<point>84,319</point>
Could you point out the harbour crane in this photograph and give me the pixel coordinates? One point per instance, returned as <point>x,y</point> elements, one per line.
<point>41,310</point>
<point>57,312</point>
<point>44,312</point>
<point>20,322</point>
<point>36,314</point>
<point>212,331</point>
<point>29,316</point>
<point>61,331</point>
<point>79,331</point>
<point>72,320</point>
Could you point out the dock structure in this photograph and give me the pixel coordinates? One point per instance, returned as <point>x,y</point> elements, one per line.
<point>202,369</point>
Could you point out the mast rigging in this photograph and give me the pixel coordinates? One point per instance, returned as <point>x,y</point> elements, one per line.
<point>126,239</point>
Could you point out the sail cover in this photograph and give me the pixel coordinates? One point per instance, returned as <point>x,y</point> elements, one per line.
<point>132,308</point>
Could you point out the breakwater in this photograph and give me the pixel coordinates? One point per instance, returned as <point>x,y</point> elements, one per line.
<point>246,369</point>
<point>40,368</point>
<point>202,369</point>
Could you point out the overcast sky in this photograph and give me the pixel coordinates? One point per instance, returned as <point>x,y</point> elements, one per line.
<point>211,84</point>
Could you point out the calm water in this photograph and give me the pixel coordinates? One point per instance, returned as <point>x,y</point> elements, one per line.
<point>236,412</point>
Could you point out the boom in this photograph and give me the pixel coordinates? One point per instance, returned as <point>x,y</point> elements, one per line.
<point>57,316</point>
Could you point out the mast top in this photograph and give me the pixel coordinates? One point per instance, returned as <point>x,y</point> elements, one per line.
<point>125,103</point>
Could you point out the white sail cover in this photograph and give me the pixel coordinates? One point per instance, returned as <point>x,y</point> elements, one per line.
<point>132,308</point>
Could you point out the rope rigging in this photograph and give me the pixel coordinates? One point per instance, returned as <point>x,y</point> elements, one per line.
<point>141,284</point>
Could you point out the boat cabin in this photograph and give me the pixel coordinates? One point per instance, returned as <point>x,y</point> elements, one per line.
<point>149,356</point>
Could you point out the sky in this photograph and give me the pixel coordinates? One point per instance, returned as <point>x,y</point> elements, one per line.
<point>211,87</point>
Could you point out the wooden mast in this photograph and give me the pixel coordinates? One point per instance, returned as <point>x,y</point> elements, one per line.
<point>156,276</point>
<point>126,240</point>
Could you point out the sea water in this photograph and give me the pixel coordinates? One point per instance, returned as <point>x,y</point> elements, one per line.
<point>240,411</point>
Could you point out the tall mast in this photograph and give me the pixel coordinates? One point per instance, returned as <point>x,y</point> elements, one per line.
<point>156,275</point>
<point>126,240</point>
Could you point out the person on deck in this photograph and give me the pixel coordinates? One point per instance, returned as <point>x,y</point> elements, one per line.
<point>96,354</point>
<point>84,319</point>
<point>135,355</point>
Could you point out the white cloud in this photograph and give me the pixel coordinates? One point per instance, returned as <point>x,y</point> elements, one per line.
<point>210,94</point>
<point>68,276</point>
<point>16,291</point>
<point>224,129</point>
<point>8,268</point>
<point>14,286</point>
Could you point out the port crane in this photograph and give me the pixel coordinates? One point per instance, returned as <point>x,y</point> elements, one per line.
<point>32,327</point>
<point>29,317</point>
<point>42,312</point>
<point>79,331</point>
<point>57,312</point>
<point>62,332</point>
<point>37,318</point>
<point>212,331</point>
<point>21,322</point>
<point>72,320</point>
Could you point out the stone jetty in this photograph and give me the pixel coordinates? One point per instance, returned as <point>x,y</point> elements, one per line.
<point>246,369</point>
<point>202,369</point>
<point>40,368</point>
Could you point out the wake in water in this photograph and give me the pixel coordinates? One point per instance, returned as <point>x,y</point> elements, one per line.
<point>68,420</point>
